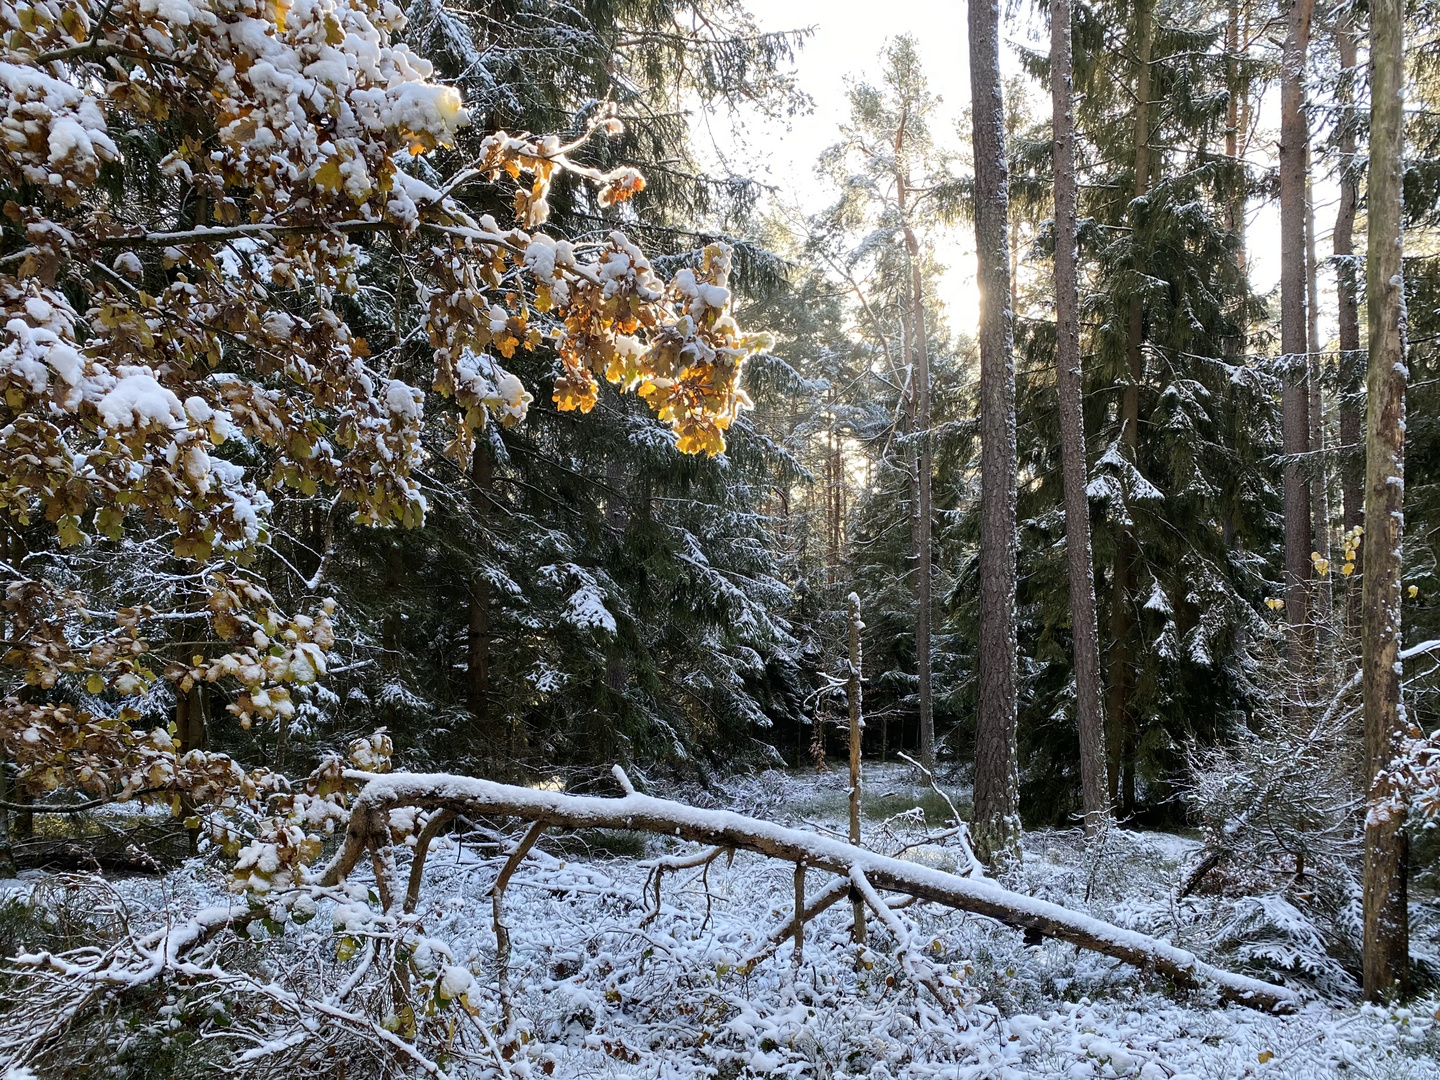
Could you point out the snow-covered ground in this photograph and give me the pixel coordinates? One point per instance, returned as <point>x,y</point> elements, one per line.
<point>604,991</point>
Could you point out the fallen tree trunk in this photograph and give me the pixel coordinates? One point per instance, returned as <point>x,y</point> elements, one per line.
<point>723,829</point>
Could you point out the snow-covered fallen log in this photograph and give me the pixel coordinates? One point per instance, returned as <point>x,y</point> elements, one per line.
<point>368,834</point>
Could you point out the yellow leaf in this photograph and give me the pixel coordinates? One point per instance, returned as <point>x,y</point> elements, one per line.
<point>328,176</point>
<point>1264,1056</point>
<point>95,683</point>
<point>74,25</point>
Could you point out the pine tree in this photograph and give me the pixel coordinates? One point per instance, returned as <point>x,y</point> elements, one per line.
<point>996,821</point>
<point>1387,939</point>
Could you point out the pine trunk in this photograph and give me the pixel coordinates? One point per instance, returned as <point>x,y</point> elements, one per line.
<point>996,816</point>
<point>1320,472</point>
<point>1089,714</point>
<point>1387,933</point>
<point>1293,343</point>
<point>1122,658</point>
<point>1352,459</point>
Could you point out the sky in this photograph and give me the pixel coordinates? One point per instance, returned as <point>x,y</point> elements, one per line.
<point>846,42</point>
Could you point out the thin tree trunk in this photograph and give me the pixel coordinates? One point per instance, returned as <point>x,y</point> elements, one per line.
<point>911,420</point>
<point>1236,344</point>
<point>477,675</point>
<point>996,817</point>
<point>1352,460</point>
<point>1387,932</point>
<point>1122,656</point>
<point>1089,713</point>
<point>922,461</point>
<point>924,467</point>
<point>1320,472</point>
<point>617,518</point>
<point>1293,344</point>
<point>857,729</point>
<point>1235,209</point>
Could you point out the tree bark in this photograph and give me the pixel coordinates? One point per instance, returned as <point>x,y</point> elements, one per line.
<point>1089,712</point>
<point>1122,657</point>
<point>1352,458</point>
<point>1387,932</point>
<point>1293,344</point>
<point>1236,118</point>
<point>996,817</point>
<point>1320,471</point>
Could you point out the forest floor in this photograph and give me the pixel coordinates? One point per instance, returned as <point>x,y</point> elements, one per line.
<point>602,991</point>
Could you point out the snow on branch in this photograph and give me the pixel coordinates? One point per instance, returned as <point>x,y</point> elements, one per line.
<point>726,830</point>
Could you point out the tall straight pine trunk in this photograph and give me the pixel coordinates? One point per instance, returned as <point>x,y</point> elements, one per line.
<point>1320,470</point>
<point>1089,713</point>
<point>996,818</point>
<point>1295,405</point>
<point>1387,931</point>
<point>1122,656</point>
<point>1352,459</point>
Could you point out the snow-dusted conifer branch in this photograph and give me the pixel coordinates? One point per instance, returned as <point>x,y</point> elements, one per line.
<point>723,829</point>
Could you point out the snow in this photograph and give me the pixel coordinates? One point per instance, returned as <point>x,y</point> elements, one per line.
<point>717,826</point>
<point>586,608</point>
<point>139,401</point>
<point>72,120</point>
<point>404,401</point>
<point>598,992</point>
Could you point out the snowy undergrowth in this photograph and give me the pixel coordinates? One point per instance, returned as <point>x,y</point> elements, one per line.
<point>602,991</point>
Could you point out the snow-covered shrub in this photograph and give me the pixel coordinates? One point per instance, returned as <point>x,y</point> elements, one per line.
<point>1280,812</point>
